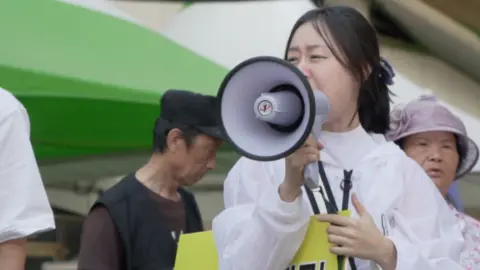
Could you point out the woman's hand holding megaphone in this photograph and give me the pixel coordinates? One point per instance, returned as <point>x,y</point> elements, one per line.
<point>294,167</point>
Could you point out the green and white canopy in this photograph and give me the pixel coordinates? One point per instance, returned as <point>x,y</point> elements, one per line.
<point>91,78</point>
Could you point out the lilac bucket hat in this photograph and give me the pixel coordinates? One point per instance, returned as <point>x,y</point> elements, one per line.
<point>426,114</point>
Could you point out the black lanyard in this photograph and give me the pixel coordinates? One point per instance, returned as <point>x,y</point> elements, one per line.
<point>331,205</point>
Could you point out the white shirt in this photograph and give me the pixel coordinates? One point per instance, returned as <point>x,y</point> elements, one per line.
<point>339,146</point>
<point>24,206</point>
<point>259,231</point>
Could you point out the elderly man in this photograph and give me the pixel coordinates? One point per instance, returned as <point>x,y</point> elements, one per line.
<point>24,207</point>
<point>136,224</point>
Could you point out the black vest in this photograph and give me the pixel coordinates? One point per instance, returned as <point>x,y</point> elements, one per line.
<point>148,243</point>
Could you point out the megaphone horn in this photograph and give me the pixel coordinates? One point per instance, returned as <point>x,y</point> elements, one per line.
<point>268,109</point>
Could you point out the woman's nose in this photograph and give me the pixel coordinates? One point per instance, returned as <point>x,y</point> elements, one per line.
<point>434,154</point>
<point>307,71</point>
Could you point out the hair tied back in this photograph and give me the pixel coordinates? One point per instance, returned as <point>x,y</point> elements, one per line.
<point>386,71</point>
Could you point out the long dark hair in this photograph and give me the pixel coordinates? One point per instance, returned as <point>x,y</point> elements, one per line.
<point>358,50</point>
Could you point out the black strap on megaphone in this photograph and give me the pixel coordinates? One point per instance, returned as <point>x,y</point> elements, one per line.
<point>330,204</point>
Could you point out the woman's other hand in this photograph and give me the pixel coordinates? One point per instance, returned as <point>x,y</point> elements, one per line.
<point>359,238</point>
<point>294,167</point>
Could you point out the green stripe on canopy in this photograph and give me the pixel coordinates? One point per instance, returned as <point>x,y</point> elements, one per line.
<point>91,82</point>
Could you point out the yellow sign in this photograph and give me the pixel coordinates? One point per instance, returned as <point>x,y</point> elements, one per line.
<point>198,251</point>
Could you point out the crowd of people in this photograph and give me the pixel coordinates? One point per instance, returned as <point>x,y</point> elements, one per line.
<point>392,168</point>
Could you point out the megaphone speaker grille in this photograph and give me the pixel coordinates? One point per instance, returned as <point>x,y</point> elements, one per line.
<point>254,138</point>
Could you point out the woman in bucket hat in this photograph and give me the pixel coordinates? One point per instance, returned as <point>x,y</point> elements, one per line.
<point>431,135</point>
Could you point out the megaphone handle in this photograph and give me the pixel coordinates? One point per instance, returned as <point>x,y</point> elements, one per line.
<point>311,175</point>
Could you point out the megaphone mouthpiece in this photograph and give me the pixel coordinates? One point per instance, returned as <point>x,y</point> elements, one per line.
<point>282,108</point>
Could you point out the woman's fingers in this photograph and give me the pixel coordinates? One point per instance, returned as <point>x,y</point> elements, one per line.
<point>338,240</point>
<point>343,250</point>
<point>341,230</point>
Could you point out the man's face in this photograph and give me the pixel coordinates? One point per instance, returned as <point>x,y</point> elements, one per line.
<point>193,161</point>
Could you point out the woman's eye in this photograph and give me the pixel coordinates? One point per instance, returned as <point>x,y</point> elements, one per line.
<point>317,57</point>
<point>448,146</point>
<point>291,59</point>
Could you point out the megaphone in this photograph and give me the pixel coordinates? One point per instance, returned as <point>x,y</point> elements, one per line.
<point>268,109</point>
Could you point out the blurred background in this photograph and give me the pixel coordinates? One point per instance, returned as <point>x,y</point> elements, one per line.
<point>91,73</point>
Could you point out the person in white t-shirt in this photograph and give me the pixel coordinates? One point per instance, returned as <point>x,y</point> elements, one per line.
<point>399,220</point>
<point>24,206</point>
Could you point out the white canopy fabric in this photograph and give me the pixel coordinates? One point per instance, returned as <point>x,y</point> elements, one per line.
<point>103,6</point>
<point>229,33</point>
